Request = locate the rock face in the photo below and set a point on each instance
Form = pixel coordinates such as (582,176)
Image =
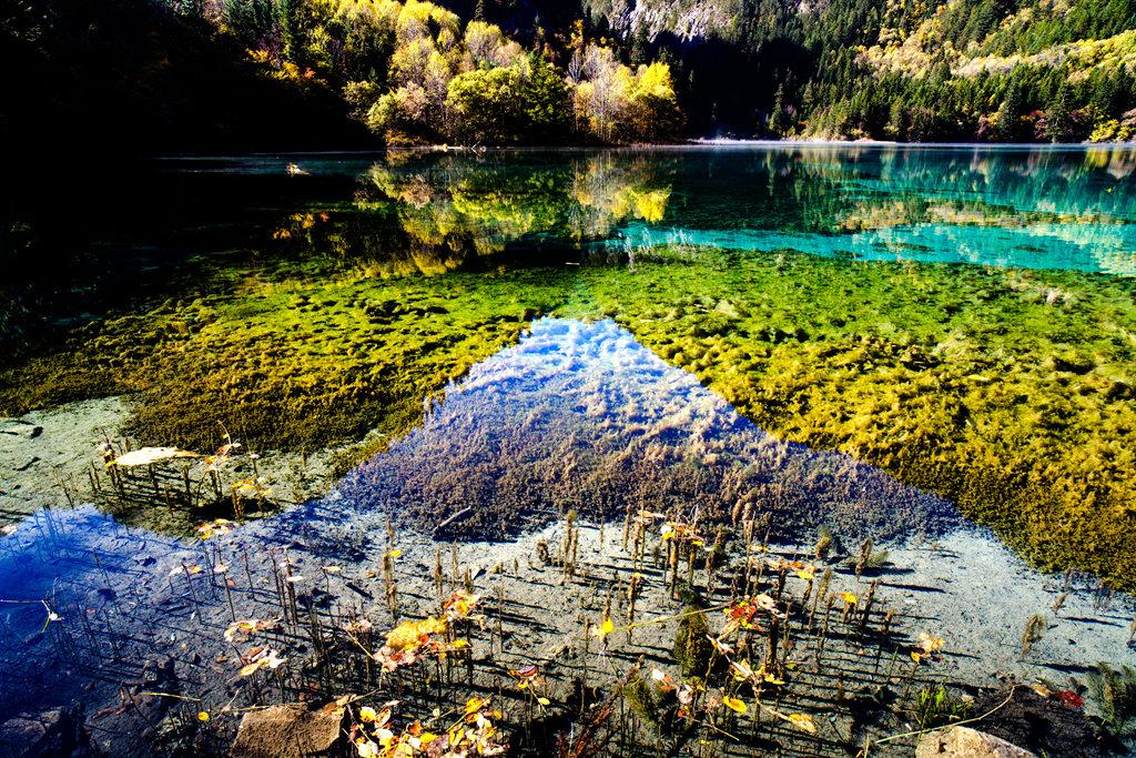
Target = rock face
(961,742)
(54,732)
(287,731)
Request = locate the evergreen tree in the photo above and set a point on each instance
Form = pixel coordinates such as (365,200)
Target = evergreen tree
(779,118)
(1058,117)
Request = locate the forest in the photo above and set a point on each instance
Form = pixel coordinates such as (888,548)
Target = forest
(185,74)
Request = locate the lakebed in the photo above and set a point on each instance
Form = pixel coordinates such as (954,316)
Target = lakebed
(482,343)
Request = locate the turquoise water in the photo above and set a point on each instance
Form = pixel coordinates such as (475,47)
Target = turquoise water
(1035,207)
(1109,248)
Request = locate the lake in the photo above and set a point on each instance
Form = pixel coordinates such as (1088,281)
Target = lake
(899,347)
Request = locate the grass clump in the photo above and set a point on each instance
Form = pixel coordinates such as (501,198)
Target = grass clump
(644,701)
(1113,691)
(936,706)
(692,648)
(1033,632)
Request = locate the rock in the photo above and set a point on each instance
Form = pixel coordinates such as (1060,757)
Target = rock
(1073,364)
(287,731)
(20,428)
(962,742)
(54,732)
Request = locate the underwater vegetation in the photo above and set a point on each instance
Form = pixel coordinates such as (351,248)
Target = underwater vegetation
(288,364)
(1008,391)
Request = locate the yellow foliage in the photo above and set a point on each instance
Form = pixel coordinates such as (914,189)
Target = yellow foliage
(654,80)
(408,633)
(734,704)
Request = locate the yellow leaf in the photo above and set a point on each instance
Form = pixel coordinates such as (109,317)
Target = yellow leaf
(474,704)
(930,643)
(408,633)
(806,574)
(250,669)
(773,680)
(803,721)
(367,714)
(366,748)
(605,628)
(202,716)
(741,670)
(848,597)
(394,553)
(543,700)
(734,704)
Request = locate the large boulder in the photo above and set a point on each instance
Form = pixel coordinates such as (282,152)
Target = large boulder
(57,732)
(288,731)
(962,742)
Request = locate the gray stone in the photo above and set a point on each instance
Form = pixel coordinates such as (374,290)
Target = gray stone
(53,732)
(962,742)
(288,731)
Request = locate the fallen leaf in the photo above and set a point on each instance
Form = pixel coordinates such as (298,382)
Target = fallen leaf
(146,456)
(734,704)
(803,721)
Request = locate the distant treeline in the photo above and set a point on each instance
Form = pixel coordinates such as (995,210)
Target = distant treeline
(915,70)
(188,74)
(419,72)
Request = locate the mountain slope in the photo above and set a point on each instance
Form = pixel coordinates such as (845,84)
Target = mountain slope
(998,70)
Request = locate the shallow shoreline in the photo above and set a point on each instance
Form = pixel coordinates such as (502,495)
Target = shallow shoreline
(120,589)
(963,587)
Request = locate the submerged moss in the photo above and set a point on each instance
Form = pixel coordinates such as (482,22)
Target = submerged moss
(1009,392)
(288,365)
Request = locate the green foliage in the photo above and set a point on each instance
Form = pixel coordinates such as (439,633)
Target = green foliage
(523,102)
(416,72)
(251,21)
(692,648)
(1113,692)
(938,706)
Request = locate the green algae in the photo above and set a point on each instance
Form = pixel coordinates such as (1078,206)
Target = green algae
(289,364)
(1009,392)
